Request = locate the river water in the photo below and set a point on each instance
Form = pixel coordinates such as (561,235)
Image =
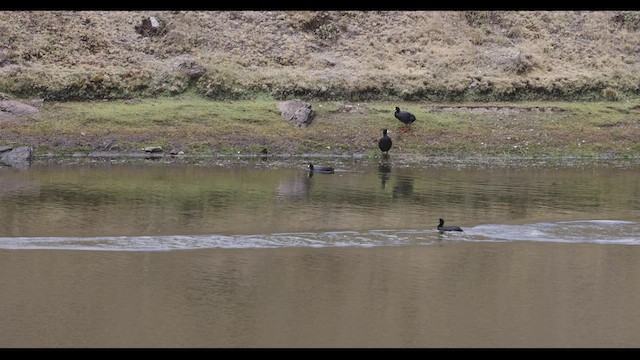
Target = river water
(181,255)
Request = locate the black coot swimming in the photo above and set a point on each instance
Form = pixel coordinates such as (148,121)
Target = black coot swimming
(320,169)
(443,228)
(385,142)
(406,117)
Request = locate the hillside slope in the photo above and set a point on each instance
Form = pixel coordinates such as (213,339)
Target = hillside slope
(407,55)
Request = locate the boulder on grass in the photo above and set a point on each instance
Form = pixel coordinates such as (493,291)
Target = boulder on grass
(297,112)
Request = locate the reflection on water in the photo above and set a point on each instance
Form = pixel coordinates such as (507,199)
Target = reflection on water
(384,169)
(270,257)
(403,187)
(295,187)
(517,294)
(124,200)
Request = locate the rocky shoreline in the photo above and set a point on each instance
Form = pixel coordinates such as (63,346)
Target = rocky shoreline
(344,161)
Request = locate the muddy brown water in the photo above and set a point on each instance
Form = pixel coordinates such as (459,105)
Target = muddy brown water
(218,256)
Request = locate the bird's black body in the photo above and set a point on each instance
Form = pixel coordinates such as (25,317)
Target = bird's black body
(443,228)
(404,116)
(320,169)
(385,142)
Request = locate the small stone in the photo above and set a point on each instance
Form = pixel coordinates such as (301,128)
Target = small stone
(37,102)
(153,149)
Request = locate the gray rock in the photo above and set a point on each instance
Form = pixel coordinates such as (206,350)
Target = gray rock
(154,22)
(19,157)
(345,108)
(297,112)
(17,108)
(37,103)
(150,26)
(192,69)
(153,149)
(5,149)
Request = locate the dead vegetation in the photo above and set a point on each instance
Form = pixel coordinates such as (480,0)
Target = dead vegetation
(351,55)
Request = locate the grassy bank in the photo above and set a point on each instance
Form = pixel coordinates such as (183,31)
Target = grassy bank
(195,125)
(206,82)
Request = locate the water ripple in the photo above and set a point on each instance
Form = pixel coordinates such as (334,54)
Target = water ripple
(589,231)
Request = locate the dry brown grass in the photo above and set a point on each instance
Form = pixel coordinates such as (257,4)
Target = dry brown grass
(409,55)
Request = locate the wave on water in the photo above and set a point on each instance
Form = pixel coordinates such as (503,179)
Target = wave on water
(584,231)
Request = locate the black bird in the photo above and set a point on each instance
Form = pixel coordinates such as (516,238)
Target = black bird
(385,142)
(320,169)
(264,153)
(406,117)
(443,228)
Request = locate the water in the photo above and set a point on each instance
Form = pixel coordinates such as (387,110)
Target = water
(588,231)
(265,256)
(199,205)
